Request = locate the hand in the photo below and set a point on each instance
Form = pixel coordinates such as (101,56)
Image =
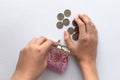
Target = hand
(85,49)
(86,46)
(33,59)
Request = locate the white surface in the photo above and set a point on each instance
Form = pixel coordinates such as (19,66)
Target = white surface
(21,20)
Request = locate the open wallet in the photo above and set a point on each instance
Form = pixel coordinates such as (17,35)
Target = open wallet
(58,58)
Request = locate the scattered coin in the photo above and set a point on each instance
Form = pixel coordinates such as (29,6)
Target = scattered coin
(70,30)
(59,25)
(76,30)
(67,13)
(75,36)
(74,23)
(60,16)
(66,22)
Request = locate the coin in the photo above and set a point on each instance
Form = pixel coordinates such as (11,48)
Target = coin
(59,25)
(60,16)
(75,36)
(67,13)
(74,23)
(76,30)
(66,22)
(70,30)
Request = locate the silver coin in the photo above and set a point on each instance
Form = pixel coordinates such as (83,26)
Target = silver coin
(75,36)
(74,23)
(70,30)
(60,16)
(66,22)
(76,30)
(67,13)
(59,25)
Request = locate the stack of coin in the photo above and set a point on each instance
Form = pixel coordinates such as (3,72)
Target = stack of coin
(74,23)
(75,35)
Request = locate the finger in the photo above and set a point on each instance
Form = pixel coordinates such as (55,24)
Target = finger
(81,26)
(41,40)
(92,24)
(68,40)
(89,24)
(32,41)
(86,16)
(48,44)
(45,59)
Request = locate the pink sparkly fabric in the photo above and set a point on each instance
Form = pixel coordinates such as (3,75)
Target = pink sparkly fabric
(57,60)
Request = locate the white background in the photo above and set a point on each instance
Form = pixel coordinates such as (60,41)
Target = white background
(21,20)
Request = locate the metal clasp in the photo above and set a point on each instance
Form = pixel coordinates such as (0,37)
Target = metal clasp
(62,47)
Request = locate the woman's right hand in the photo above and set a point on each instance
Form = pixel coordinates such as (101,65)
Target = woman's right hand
(85,49)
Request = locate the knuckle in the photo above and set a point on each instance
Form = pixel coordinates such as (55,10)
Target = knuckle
(39,49)
(81,24)
(88,22)
(85,41)
(30,47)
(34,48)
(50,41)
(85,37)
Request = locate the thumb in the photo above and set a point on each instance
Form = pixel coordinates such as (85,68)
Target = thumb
(68,40)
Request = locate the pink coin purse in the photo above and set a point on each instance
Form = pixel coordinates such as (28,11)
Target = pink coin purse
(58,58)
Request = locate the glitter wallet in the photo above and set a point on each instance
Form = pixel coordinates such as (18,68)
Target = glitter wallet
(58,58)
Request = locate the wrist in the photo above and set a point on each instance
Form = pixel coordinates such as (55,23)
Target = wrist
(89,70)
(22,76)
(87,64)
